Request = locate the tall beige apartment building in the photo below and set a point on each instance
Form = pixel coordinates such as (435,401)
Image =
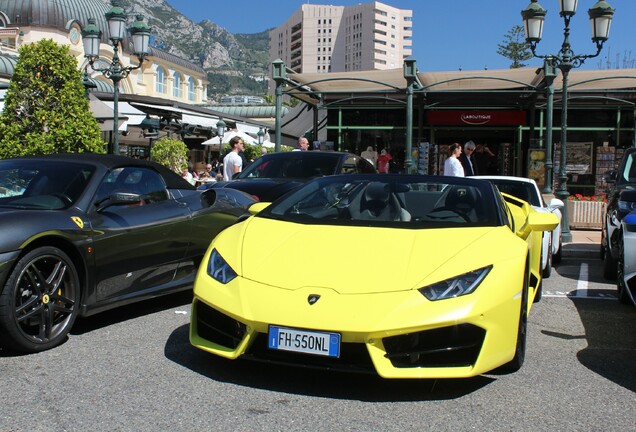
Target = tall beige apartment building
(323,38)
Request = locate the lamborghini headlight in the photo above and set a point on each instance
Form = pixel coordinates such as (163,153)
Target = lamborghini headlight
(219,269)
(455,286)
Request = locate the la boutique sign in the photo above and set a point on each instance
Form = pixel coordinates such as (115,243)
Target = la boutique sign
(477,118)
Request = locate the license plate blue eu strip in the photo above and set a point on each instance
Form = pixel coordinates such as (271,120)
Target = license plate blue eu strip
(304,341)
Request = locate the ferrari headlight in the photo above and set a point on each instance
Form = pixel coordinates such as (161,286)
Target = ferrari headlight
(219,269)
(626,206)
(455,286)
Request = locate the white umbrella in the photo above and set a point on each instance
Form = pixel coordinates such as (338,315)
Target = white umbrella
(228,136)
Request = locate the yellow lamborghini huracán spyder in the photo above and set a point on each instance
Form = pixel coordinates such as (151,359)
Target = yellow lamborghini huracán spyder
(409,276)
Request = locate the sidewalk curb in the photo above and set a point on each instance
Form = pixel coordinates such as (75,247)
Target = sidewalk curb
(581,250)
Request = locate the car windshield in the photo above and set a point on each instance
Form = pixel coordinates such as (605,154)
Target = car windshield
(39,184)
(629,173)
(403,201)
(519,189)
(297,165)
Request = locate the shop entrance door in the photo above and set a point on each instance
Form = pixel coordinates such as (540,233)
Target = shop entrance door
(496,150)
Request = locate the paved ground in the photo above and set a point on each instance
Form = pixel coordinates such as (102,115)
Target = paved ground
(585,237)
(584,243)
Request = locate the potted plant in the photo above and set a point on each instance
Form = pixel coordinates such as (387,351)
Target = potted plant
(586,211)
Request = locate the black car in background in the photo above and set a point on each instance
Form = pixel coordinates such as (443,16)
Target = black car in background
(82,233)
(273,175)
(621,201)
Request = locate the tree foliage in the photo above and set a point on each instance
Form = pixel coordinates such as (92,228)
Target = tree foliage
(45,109)
(171,153)
(515,47)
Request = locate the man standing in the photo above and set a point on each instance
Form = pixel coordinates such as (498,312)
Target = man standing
(467,159)
(303,144)
(232,162)
(370,155)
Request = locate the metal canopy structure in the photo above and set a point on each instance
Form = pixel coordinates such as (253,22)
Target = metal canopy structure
(524,89)
(178,117)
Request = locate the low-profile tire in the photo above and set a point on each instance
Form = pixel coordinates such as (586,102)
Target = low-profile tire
(539,294)
(610,266)
(547,271)
(39,301)
(522,331)
(556,258)
(623,296)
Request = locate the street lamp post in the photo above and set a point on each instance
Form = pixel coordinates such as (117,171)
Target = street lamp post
(115,71)
(410,74)
(220,132)
(260,134)
(220,129)
(565,60)
(279,74)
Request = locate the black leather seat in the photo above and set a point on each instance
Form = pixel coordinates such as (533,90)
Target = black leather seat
(377,202)
(463,200)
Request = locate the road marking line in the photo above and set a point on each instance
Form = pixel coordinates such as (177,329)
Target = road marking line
(574,296)
(581,286)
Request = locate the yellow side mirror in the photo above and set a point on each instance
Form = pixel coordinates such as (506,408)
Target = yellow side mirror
(258,207)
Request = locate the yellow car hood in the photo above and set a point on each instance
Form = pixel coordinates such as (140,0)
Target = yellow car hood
(356,260)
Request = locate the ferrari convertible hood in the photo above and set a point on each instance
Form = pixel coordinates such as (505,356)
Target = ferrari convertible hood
(366,260)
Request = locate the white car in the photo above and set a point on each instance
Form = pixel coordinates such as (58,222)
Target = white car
(527,190)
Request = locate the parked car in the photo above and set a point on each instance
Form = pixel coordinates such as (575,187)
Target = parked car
(82,233)
(621,199)
(273,175)
(526,189)
(408,276)
(626,265)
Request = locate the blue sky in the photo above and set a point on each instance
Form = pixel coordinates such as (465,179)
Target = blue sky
(450,34)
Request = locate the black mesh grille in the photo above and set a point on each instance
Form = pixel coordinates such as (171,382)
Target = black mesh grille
(445,347)
(354,357)
(216,327)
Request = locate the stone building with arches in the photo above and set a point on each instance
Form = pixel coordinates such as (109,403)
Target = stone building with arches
(165,96)
(162,74)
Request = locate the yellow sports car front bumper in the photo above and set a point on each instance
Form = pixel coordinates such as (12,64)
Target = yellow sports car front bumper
(402,334)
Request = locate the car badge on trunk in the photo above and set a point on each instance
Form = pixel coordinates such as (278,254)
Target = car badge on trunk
(313,298)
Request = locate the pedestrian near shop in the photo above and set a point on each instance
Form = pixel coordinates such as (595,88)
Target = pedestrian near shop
(467,159)
(452,165)
(303,144)
(232,162)
(383,161)
(370,155)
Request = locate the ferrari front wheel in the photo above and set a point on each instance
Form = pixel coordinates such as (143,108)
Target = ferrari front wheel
(40,301)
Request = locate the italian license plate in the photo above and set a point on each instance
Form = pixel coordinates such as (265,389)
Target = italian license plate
(304,341)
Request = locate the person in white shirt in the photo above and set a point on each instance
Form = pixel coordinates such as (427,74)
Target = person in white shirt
(232,162)
(452,165)
(187,175)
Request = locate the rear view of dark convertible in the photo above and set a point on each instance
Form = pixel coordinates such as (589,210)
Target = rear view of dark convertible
(83,233)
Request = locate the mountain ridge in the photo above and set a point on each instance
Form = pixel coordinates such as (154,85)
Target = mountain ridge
(234,63)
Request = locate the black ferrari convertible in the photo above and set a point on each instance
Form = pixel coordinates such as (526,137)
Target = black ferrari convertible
(82,233)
